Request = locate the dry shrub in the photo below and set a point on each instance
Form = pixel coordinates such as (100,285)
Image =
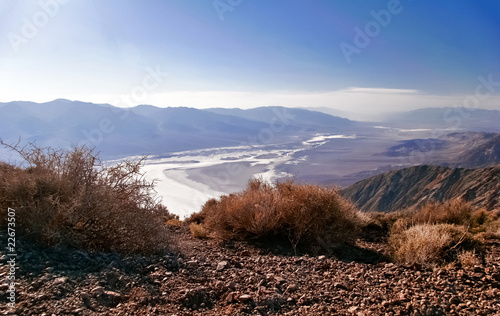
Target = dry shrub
(456,211)
(174,222)
(378,224)
(306,214)
(468,259)
(491,230)
(69,197)
(429,244)
(198,230)
(439,233)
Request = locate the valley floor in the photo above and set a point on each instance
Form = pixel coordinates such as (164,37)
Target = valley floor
(209,278)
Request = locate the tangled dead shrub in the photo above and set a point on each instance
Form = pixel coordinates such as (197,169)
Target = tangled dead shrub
(430,244)
(69,197)
(439,233)
(468,258)
(309,215)
(457,211)
(198,231)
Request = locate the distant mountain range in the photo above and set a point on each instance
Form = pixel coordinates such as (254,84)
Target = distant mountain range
(465,150)
(399,189)
(146,129)
(290,119)
(149,130)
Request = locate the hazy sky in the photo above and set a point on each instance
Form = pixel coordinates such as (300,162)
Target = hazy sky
(360,56)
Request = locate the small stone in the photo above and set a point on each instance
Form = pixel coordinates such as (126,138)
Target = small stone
(298,260)
(292,288)
(352,309)
(231,297)
(455,300)
(222,265)
(86,299)
(245,298)
(402,297)
(279,279)
(42,297)
(496,276)
(339,286)
(98,291)
(461,306)
(113,295)
(60,280)
(109,298)
(478,269)
(322,257)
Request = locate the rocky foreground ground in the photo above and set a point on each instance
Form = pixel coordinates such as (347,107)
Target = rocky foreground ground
(210,278)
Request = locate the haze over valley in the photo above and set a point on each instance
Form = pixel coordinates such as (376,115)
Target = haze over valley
(200,154)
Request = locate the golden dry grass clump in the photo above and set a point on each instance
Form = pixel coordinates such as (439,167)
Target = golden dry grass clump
(431,244)
(304,214)
(456,212)
(439,233)
(69,197)
(174,222)
(198,230)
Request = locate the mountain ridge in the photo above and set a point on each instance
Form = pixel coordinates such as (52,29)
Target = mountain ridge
(414,186)
(148,130)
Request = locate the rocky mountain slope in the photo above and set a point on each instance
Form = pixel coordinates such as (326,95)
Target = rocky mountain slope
(398,189)
(486,152)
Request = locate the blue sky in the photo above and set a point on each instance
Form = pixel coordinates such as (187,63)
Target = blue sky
(248,53)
